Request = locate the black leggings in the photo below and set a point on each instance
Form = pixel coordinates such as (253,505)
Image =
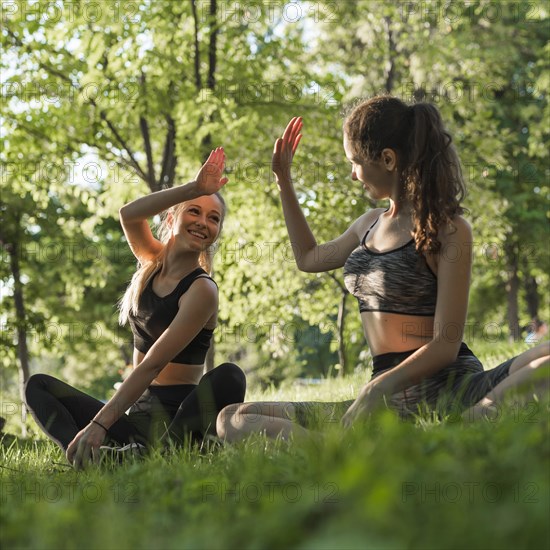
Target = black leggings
(166,412)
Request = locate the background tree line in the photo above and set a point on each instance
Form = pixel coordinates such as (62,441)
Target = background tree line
(104,101)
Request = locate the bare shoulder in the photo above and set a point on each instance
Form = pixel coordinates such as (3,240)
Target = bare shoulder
(204,286)
(363,222)
(458,231)
(203,292)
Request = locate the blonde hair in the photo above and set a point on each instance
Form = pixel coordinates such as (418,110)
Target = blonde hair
(129,302)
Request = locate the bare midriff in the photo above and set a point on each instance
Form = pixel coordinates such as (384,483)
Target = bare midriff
(173,373)
(395,332)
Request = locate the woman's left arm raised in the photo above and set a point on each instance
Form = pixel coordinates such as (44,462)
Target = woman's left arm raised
(453,285)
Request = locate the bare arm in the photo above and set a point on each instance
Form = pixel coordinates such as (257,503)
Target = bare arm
(453,285)
(197,306)
(134,215)
(309,256)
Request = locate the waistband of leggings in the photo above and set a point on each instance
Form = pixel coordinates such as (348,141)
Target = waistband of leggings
(389,360)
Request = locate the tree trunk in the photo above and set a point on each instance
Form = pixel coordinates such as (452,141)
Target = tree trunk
(341,324)
(392,52)
(21,321)
(532,296)
(512,292)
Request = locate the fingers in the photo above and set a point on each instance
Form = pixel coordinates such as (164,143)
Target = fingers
(292,129)
(70,453)
(292,136)
(288,129)
(296,143)
(217,157)
(95,455)
(297,127)
(80,454)
(210,157)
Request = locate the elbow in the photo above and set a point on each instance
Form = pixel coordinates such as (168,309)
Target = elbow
(123,212)
(126,215)
(305,262)
(303,266)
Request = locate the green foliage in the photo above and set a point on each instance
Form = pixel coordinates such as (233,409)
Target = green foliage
(95,100)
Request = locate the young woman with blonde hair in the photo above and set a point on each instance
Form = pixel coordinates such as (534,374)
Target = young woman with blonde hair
(171,305)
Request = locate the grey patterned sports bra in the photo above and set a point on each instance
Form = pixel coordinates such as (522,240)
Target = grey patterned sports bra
(396,281)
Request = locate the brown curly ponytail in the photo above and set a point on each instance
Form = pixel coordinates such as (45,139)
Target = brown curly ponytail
(427,160)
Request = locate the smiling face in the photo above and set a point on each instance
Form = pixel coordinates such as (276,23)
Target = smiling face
(198,222)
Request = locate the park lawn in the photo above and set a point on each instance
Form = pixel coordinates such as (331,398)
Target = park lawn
(389,484)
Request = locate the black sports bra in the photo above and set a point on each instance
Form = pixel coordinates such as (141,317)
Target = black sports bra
(396,281)
(155,314)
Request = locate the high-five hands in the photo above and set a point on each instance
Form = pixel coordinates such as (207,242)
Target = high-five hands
(209,177)
(284,150)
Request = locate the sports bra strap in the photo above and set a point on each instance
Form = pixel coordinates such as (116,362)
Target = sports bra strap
(368,230)
(205,276)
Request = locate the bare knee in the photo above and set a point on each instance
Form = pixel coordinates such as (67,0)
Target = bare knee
(539,362)
(234,421)
(225,416)
(539,351)
(533,358)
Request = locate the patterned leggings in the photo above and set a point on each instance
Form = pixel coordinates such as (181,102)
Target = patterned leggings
(453,389)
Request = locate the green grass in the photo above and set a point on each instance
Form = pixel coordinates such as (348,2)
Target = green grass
(386,485)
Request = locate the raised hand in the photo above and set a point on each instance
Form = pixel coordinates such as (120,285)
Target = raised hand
(209,177)
(284,150)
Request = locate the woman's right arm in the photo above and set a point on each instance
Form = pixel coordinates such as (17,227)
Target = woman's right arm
(134,215)
(310,256)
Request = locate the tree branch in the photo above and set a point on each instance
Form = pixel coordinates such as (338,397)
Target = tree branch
(91,101)
(198,80)
(147,138)
(125,146)
(341,285)
(390,75)
(169,159)
(148,151)
(212,60)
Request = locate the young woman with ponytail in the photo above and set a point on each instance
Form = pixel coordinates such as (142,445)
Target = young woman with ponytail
(409,267)
(171,305)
